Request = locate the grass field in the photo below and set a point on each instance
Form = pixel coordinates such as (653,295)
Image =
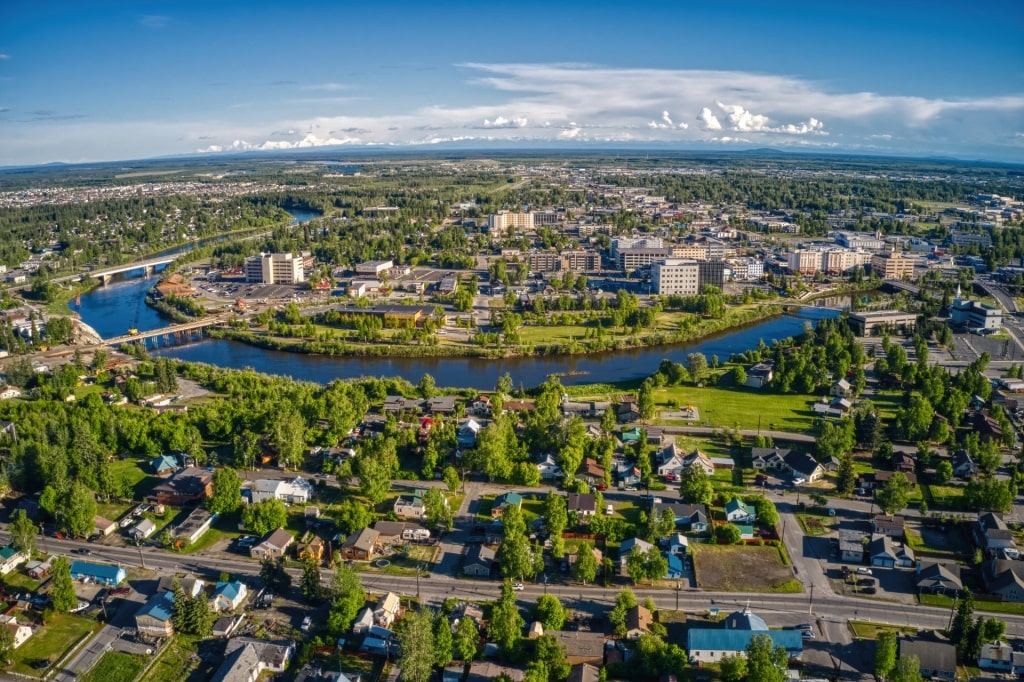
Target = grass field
(116,666)
(179,663)
(979,605)
(51,641)
(747,408)
(741,568)
(814,525)
(868,630)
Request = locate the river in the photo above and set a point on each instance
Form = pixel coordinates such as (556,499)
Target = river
(111,310)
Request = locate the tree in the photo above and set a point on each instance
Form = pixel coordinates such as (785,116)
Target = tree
(451,478)
(263,517)
(551,655)
(274,574)
(416,642)
(728,534)
(585,569)
(347,597)
(664,524)
(444,641)
(506,622)
(963,623)
(439,512)
(766,662)
(516,556)
(6,645)
(895,494)
(353,516)
(227,491)
(908,669)
(645,400)
(624,601)
(636,566)
(989,494)
(78,510)
(739,378)
(62,590)
(23,532)
(885,653)
(733,668)
(766,512)
(374,477)
(427,388)
(697,364)
(992,630)
(288,436)
(311,585)
(550,612)
(695,486)
(466,638)
(944,471)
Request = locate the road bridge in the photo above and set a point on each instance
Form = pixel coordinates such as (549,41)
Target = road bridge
(182,328)
(148,266)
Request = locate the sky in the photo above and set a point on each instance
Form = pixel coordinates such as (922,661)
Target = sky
(92,80)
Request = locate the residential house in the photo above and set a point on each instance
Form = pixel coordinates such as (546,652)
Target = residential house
(904,462)
(194,526)
(296,491)
(224,626)
(142,530)
(769,458)
(465,609)
(638,622)
(678,544)
(361,545)
(480,406)
(273,546)
(710,645)
(580,647)
(692,516)
(628,410)
(590,471)
(700,459)
(37,570)
(760,375)
(103,526)
(964,466)
(584,504)
(246,658)
(936,578)
(389,532)
(363,622)
(164,465)
(626,473)
(442,404)
(486,671)
(20,632)
(996,656)
(190,585)
(1004,578)
(393,404)
(185,487)
(517,406)
(154,618)
(883,552)
(387,610)
(676,567)
(884,524)
(852,545)
(228,596)
(841,389)
(10,559)
(874,481)
(987,428)
(549,468)
(991,533)
(501,502)
(671,463)
(479,561)
(468,433)
(104,574)
(737,511)
(584,672)
(803,465)
(629,546)
(937,659)
(411,506)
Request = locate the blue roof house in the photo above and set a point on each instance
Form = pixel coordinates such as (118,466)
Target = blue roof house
(97,573)
(675,565)
(710,645)
(155,618)
(228,596)
(164,465)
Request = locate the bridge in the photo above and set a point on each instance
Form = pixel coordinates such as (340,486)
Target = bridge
(105,274)
(182,328)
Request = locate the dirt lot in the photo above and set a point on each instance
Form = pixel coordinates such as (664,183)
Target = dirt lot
(733,568)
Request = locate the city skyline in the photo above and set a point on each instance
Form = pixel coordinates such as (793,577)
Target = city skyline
(102,81)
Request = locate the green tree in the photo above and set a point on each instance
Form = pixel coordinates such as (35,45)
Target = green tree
(352,516)
(624,601)
(415,634)
(908,669)
(439,512)
(989,494)
(263,517)
(374,477)
(943,472)
(427,388)
(288,435)
(963,624)
(895,494)
(347,597)
(885,653)
(733,668)
(846,477)
(23,532)
(697,364)
(506,622)
(62,590)
(6,645)
(695,486)
(227,491)
(551,655)
(585,569)
(992,630)
(766,662)
(728,533)
(645,400)
(444,641)
(466,639)
(765,510)
(78,511)
(739,378)
(550,612)
(451,478)
(311,585)
(516,557)
(274,574)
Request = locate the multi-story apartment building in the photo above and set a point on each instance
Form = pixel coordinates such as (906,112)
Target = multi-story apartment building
(580,260)
(691,251)
(804,261)
(499,224)
(274,268)
(838,261)
(542,261)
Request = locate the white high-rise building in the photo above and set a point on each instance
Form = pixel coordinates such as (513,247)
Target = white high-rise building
(676,277)
(274,268)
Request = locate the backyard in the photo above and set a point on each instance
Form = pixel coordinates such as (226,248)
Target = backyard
(116,666)
(50,642)
(742,568)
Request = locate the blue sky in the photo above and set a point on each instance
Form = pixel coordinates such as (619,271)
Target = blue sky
(92,80)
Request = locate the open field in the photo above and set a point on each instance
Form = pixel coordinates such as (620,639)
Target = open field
(51,642)
(116,666)
(741,568)
(179,662)
(979,605)
(867,630)
(747,408)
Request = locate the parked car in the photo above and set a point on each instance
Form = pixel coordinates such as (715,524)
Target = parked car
(518,587)
(864,570)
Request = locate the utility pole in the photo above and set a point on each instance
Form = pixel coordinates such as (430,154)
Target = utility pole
(142,559)
(810,602)
(952,612)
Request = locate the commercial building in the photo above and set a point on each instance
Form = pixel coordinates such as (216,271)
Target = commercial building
(892,265)
(974,315)
(804,262)
(633,258)
(274,268)
(860,240)
(499,224)
(375,267)
(865,324)
(676,277)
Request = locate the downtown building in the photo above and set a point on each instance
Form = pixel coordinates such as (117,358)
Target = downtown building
(892,265)
(685,277)
(501,223)
(274,268)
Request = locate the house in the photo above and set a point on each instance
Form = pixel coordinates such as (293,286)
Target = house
(626,473)
(142,530)
(246,658)
(580,647)
(505,500)
(629,546)
(467,434)
(991,533)
(411,506)
(590,471)
(19,631)
(676,568)
(711,645)
(964,466)
(394,404)
(584,504)
(699,459)
(852,545)
(103,526)
(189,584)
(937,659)
(584,672)
(841,389)
(10,559)
(692,516)
(803,465)
(769,458)
(37,570)
(987,428)
(549,468)
(884,524)
(228,596)
(486,671)
(155,617)
(389,532)
(883,552)
(996,656)
(1004,578)
(479,560)
(442,404)
(638,622)
(736,511)
(465,609)
(480,406)
(387,610)
(760,374)
(194,526)
(363,622)
(185,487)
(361,545)
(678,544)
(105,574)
(935,578)
(164,465)
(516,406)
(296,491)
(273,545)
(224,626)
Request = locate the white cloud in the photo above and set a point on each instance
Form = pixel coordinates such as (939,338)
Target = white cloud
(709,120)
(308,141)
(812,125)
(667,119)
(742,120)
(502,122)
(570,133)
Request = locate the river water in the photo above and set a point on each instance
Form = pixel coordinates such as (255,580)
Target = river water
(111,310)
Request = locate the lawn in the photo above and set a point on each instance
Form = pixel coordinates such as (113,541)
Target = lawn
(747,408)
(942,496)
(179,662)
(136,470)
(51,641)
(814,525)
(20,581)
(979,604)
(867,630)
(742,568)
(116,666)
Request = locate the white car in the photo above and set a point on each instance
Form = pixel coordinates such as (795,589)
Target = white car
(518,587)
(82,606)
(864,570)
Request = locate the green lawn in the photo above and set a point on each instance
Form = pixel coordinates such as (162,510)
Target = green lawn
(743,407)
(137,471)
(815,524)
(116,666)
(942,496)
(177,662)
(867,630)
(20,581)
(51,641)
(979,605)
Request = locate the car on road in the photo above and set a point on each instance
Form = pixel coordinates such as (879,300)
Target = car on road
(81,550)
(807,634)
(518,587)
(864,570)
